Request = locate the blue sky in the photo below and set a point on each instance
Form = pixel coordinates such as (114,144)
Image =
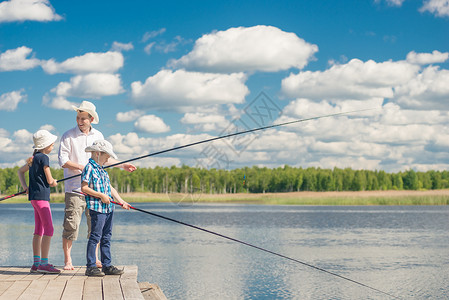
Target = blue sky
(164,74)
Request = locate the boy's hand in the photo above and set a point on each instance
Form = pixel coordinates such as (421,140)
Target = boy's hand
(54,183)
(105,198)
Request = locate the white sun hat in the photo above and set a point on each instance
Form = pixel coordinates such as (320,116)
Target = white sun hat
(101,146)
(42,139)
(89,108)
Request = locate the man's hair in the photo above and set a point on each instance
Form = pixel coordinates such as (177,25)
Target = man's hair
(90,116)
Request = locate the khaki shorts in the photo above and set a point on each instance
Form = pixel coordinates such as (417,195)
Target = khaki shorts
(73,213)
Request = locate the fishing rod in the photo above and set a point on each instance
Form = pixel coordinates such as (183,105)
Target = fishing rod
(211,140)
(253,246)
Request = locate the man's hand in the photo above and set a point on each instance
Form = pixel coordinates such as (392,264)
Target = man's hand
(129,167)
(126,205)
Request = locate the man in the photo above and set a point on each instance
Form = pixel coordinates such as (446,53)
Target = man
(73,158)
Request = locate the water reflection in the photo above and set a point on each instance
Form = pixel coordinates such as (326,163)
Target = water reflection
(399,250)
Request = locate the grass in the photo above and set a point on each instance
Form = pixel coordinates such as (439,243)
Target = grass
(434,197)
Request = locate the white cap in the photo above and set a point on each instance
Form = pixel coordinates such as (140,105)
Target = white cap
(101,146)
(89,108)
(42,139)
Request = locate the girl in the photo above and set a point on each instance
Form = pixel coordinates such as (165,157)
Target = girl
(39,195)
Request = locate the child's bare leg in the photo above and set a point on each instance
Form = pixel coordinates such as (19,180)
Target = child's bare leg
(37,241)
(45,246)
(98,262)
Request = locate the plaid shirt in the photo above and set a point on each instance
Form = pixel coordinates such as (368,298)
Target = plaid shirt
(98,180)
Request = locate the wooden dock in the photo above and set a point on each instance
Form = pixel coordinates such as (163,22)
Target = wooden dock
(19,283)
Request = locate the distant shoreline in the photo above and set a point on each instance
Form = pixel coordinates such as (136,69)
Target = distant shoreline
(406,197)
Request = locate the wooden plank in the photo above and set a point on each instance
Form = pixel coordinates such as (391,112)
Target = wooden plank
(151,291)
(73,290)
(15,290)
(67,274)
(54,290)
(130,272)
(4,285)
(93,288)
(80,274)
(131,290)
(112,288)
(34,290)
(14,273)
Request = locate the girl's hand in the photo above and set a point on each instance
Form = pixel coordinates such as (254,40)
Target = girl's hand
(105,198)
(54,183)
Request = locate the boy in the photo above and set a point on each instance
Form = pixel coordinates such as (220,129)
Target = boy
(96,185)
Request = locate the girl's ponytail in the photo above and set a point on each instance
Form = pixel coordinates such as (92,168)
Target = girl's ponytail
(30,159)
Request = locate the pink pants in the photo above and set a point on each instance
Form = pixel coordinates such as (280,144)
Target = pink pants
(43,223)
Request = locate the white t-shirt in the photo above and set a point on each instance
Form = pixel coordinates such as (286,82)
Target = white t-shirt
(72,147)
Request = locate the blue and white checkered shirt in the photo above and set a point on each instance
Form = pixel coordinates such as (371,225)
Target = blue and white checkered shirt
(97,179)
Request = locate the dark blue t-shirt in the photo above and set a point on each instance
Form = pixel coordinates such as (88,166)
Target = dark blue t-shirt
(39,188)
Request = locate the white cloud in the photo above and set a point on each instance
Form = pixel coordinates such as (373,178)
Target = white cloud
(108,62)
(354,80)
(427,58)
(16,59)
(27,10)
(241,49)
(58,102)
(438,7)
(392,2)
(129,115)
(9,101)
(119,47)
(151,124)
(180,89)
(204,121)
(92,85)
(427,91)
(152,34)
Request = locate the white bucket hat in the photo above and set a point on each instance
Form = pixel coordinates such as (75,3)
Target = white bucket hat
(42,139)
(101,146)
(89,108)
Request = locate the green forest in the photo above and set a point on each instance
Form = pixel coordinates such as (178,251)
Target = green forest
(187,179)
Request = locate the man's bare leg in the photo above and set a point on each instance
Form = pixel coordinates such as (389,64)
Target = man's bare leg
(67,248)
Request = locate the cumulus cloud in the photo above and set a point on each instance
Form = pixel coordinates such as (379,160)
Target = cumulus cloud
(151,124)
(92,85)
(204,121)
(16,59)
(119,47)
(129,115)
(428,90)
(354,80)
(427,58)
(438,7)
(27,10)
(9,101)
(108,62)
(242,49)
(58,102)
(180,89)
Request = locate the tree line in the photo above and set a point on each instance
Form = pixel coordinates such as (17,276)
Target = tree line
(254,179)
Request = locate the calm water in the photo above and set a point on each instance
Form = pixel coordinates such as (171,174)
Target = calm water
(400,250)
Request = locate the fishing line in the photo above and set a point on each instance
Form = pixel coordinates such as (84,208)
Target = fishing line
(210,140)
(253,246)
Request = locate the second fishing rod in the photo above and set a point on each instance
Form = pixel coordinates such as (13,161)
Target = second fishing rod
(210,140)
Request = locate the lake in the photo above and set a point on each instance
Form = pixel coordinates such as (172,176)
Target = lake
(400,250)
